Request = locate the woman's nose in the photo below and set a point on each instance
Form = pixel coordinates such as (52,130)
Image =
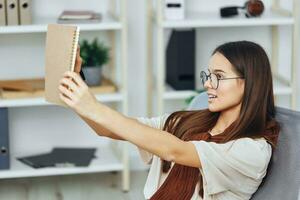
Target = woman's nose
(207,84)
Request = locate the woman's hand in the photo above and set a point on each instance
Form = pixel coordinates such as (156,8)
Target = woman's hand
(75,93)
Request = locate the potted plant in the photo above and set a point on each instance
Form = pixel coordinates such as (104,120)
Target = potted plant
(94,55)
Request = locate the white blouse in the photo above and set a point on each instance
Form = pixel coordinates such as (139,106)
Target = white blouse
(230,171)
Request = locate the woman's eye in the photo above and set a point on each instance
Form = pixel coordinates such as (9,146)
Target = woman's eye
(219,76)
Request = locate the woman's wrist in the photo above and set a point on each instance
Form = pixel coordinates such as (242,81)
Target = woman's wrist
(109,118)
(100,113)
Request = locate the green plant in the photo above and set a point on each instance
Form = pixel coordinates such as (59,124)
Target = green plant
(93,54)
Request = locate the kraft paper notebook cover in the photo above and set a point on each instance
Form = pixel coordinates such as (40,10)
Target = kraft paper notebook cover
(61,46)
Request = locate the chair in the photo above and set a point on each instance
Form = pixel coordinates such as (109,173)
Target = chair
(283,179)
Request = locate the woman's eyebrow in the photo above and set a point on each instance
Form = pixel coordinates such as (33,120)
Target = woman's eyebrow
(216,70)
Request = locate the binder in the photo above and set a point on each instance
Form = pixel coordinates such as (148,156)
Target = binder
(4,142)
(12,12)
(61,47)
(2,13)
(25,12)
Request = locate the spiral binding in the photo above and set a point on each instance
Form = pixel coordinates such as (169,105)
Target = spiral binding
(74,48)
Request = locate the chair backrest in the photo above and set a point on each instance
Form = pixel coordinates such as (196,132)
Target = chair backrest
(199,102)
(283,177)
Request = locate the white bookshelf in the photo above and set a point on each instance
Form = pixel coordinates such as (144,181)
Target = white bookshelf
(170,93)
(114,25)
(212,19)
(40,101)
(105,161)
(158,26)
(39,25)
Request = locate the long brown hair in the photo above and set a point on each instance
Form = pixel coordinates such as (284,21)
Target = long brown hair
(257,114)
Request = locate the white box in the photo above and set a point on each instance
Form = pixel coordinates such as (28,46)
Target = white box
(174,9)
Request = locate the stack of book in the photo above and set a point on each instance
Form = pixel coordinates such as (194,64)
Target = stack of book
(78,17)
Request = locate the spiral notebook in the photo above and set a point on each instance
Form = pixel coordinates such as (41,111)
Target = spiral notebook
(61,46)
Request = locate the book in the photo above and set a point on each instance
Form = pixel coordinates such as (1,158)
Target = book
(107,86)
(78,16)
(29,85)
(61,47)
(76,156)
(61,157)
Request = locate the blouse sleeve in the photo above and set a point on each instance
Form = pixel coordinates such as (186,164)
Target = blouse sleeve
(238,166)
(154,122)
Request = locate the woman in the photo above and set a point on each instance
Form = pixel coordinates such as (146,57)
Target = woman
(219,153)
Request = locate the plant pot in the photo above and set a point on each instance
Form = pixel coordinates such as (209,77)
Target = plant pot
(92,75)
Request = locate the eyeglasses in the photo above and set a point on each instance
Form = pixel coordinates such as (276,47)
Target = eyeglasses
(214,79)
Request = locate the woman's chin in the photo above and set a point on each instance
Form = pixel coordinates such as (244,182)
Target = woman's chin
(213,108)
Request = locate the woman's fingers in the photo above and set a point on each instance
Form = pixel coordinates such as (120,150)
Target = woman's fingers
(76,78)
(69,84)
(69,94)
(74,92)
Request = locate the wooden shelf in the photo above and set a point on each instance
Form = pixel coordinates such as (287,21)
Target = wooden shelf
(40,26)
(107,92)
(105,161)
(213,19)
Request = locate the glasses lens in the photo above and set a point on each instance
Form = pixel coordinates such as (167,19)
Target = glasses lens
(203,77)
(214,81)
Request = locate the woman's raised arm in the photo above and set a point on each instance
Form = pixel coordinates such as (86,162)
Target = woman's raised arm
(75,93)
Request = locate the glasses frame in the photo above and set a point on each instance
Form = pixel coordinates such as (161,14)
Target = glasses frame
(203,74)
